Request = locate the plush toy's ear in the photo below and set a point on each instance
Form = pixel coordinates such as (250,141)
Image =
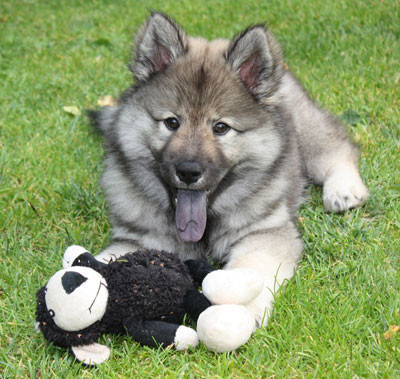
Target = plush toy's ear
(71,254)
(78,256)
(93,354)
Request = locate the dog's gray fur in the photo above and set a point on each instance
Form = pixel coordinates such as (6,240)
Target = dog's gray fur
(254,175)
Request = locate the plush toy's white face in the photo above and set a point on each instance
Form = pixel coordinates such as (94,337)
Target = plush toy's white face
(77,297)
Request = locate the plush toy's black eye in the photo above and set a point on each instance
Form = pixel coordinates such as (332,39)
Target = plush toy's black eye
(71,280)
(220,128)
(51,313)
(172,123)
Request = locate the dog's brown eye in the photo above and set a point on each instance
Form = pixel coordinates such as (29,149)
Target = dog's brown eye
(171,123)
(221,128)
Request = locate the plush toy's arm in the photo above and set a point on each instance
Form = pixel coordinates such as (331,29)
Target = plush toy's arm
(199,269)
(153,333)
(195,303)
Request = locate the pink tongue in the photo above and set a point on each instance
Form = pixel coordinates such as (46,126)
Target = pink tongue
(191,214)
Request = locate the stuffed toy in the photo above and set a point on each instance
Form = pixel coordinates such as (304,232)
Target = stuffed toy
(145,294)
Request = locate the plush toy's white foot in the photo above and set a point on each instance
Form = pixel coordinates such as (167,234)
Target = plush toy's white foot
(71,254)
(185,337)
(233,286)
(344,189)
(226,327)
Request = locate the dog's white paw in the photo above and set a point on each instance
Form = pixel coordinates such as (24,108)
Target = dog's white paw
(343,190)
(225,327)
(261,307)
(232,286)
(185,337)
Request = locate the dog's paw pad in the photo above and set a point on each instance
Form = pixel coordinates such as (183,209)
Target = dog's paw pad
(232,286)
(343,190)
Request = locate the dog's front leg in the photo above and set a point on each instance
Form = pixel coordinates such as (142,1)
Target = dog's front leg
(274,253)
(117,249)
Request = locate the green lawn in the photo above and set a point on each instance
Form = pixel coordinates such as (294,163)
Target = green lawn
(331,318)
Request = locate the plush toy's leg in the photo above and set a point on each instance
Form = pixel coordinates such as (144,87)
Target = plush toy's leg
(199,269)
(153,333)
(235,286)
(195,303)
(225,327)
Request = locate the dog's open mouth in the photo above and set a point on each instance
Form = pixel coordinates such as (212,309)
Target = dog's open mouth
(191,214)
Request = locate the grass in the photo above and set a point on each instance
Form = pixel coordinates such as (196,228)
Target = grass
(331,318)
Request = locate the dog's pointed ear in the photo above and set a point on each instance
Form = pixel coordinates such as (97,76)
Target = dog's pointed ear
(159,43)
(256,57)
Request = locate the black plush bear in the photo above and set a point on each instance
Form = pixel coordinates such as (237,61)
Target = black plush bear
(145,294)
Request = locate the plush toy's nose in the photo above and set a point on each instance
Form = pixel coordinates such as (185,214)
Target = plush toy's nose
(71,280)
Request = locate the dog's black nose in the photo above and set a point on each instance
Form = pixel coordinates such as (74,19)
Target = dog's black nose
(189,172)
(71,280)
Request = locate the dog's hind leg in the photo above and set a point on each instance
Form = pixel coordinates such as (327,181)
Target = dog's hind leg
(329,157)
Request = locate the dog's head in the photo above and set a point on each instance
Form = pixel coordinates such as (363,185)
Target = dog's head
(200,121)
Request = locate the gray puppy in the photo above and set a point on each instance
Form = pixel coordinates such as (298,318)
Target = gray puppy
(208,155)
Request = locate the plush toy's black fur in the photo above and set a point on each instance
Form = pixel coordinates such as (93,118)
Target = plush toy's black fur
(145,285)
(59,336)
